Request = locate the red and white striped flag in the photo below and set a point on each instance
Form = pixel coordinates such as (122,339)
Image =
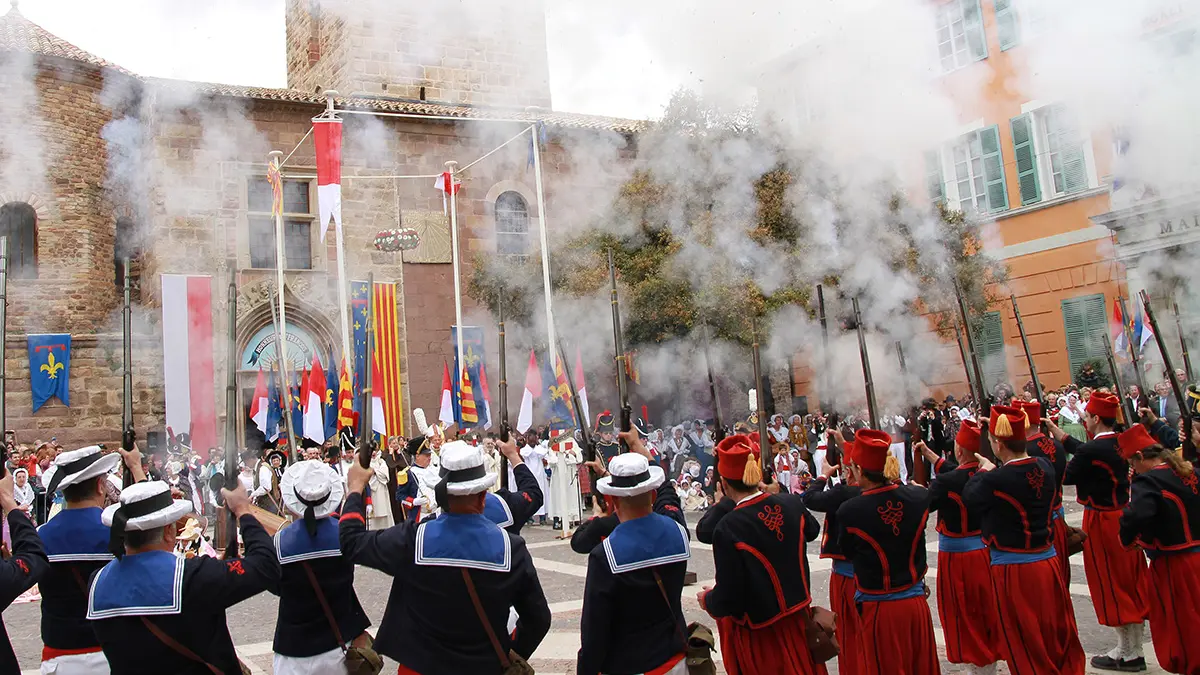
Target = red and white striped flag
(443,184)
(446,414)
(533,389)
(259,404)
(188,357)
(314,403)
(327,136)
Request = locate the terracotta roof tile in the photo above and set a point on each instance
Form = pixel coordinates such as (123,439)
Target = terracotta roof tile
(20,34)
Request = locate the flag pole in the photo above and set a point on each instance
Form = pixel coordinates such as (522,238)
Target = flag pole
(1134,359)
(291,431)
(551,340)
(459,364)
(275,157)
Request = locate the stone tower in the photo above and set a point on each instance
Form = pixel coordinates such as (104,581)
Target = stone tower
(479,52)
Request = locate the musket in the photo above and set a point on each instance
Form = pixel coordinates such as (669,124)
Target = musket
(826,386)
(719,433)
(962,352)
(281,361)
(231,413)
(3,346)
(920,469)
(1133,349)
(127,432)
(504,428)
(983,398)
(619,347)
(1116,376)
(764,438)
(1187,360)
(585,435)
(872,410)
(1185,411)
(1033,374)
(366,432)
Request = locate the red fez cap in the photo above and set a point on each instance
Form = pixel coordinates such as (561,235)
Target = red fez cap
(1135,440)
(733,452)
(871,449)
(1033,412)
(968,435)
(1104,405)
(1007,424)
(848,453)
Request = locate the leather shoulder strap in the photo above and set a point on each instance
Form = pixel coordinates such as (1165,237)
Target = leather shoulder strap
(312,579)
(671,610)
(504,662)
(177,647)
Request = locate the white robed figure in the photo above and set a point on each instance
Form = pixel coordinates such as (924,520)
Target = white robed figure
(534,457)
(380,508)
(564,499)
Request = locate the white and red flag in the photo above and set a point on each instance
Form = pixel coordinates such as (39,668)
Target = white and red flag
(581,387)
(259,404)
(446,414)
(188,357)
(378,422)
(533,389)
(314,403)
(327,136)
(443,183)
(487,398)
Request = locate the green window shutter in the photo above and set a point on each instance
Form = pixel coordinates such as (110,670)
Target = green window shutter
(973,27)
(1007,24)
(935,184)
(1074,167)
(993,170)
(989,346)
(1027,174)
(1085,324)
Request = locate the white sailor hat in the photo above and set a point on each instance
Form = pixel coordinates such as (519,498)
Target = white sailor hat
(311,484)
(145,506)
(76,466)
(630,475)
(462,471)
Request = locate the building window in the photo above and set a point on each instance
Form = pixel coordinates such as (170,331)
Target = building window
(976,173)
(18,222)
(512,224)
(989,345)
(1008,24)
(960,34)
(1085,324)
(1052,154)
(298,218)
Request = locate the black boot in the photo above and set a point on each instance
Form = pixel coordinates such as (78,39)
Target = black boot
(1106,662)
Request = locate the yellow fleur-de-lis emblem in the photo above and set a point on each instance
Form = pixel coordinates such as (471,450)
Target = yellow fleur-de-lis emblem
(52,366)
(560,391)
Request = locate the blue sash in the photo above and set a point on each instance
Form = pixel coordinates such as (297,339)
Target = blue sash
(1154,554)
(1059,514)
(843,568)
(76,535)
(914,591)
(646,542)
(1011,558)
(959,544)
(497,511)
(293,543)
(463,540)
(148,583)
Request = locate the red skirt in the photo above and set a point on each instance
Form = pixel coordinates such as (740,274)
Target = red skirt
(1175,612)
(849,625)
(777,649)
(897,638)
(1038,635)
(967,608)
(1116,575)
(1059,532)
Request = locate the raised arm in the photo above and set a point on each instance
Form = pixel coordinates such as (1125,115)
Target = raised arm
(527,498)
(224,583)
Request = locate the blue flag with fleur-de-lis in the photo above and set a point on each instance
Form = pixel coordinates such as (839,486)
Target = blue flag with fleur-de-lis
(50,367)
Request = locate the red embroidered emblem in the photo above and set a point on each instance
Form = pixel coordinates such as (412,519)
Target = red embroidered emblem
(23,565)
(892,514)
(772,517)
(527,497)
(1047,447)
(235,566)
(1191,481)
(1036,480)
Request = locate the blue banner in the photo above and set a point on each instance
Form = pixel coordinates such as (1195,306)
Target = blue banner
(473,355)
(359,297)
(330,398)
(274,409)
(50,368)
(558,397)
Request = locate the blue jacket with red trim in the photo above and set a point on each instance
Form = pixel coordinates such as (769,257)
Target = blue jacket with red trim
(954,519)
(883,534)
(758,547)
(1163,512)
(1015,502)
(1100,476)
(1041,445)
(828,501)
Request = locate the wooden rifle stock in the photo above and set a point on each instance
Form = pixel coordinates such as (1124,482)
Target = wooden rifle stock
(1183,345)
(1033,374)
(872,409)
(983,398)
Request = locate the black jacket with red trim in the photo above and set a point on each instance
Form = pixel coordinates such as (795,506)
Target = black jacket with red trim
(18,574)
(954,519)
(758,547)
(1014,502)
(525,500)
(1100,476)
(883,534)
(818,498)
(1163,512)
(1041,445)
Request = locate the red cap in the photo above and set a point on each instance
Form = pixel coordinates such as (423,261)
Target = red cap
(1104,405)
(1007,424)
(732,454)
(1033,412)
(871,449)
(968,435)
(1135,440)
(848,453)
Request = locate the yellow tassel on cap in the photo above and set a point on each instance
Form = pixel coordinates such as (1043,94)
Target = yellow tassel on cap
(1028,422)
(752,474)
(1003,427)
(891,468)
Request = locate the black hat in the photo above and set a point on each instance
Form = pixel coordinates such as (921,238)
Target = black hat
(282,454)
(643,428)
(418,445)
(604,423)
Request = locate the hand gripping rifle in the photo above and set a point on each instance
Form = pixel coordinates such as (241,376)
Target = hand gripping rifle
(1185,411)
(983,398)
(366,434)
(128,435)
(505,430)
(585,434)
(619,348)
(1033,374)
(719,433)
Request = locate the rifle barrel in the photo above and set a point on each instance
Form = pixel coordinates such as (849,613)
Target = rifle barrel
(1033,374)
(719,434)
(1176,386)
(984,399)
(1183,345)
(503,394)
(366,432)
(872,409)
(619,347)
(3,347)
(826,384)
(1133,350)
(127,432)
(585,437)
(764,437)
(1116,376)
(231,444)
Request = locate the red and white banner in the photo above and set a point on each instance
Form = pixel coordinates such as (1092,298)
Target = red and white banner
(581,387)
(378,421)
(327,136)
(446,413)
(259,405)
(314,403)
(188,357)
(533,389)
(443,184)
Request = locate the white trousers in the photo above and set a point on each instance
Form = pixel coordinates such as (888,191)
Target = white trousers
(332,662)
(92,663)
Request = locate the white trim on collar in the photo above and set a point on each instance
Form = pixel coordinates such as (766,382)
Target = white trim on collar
(175,607)
(421,559)
(504,505)
(652,562)
(80,557)
(746,499)
(311,555)
(1102,434)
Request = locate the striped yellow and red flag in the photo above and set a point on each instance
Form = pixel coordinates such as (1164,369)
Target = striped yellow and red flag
(276,180)
(387,355)
(470,416)
(345,400)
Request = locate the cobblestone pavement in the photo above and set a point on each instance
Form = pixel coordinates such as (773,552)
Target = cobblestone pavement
(562,573)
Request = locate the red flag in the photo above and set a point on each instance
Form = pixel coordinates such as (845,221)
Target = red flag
(327,136)
(533,389)
(259,404)
(446,413)
(313,397)
(581,386)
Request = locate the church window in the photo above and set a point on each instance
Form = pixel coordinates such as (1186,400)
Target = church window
(298,218)
(18,222)
(512,224)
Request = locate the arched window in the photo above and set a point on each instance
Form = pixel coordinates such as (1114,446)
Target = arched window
(18,222)
(512,224)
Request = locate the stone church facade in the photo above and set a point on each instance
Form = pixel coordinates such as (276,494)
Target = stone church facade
(97,158)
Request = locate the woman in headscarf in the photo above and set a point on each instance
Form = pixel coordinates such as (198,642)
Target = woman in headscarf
(1070,417)
(23,491)
(695,498)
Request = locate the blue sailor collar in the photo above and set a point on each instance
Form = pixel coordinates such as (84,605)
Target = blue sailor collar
(459,540)
(293,543)
(497,511)
(646,542)
(76,535)
(142,584)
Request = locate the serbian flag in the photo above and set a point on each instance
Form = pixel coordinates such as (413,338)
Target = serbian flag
(448,185)
(378,421)
(327,136)
(487,398)
(533,389)
(446,414)
(314,403)
(581,386)
(260,403)
(345,400)
(188,374)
